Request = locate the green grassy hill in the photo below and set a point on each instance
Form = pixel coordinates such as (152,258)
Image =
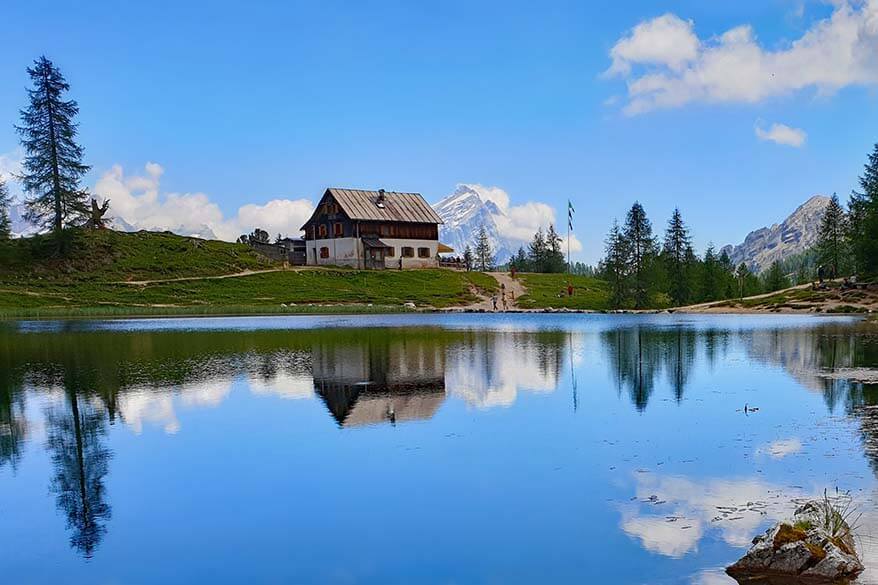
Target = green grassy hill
(92,280)
(110,255)
(545,290)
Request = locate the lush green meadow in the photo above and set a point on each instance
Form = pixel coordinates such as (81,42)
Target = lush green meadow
(549,290)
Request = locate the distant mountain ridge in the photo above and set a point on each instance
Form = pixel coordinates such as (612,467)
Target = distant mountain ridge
(464,212)
(798,232)
(23,228)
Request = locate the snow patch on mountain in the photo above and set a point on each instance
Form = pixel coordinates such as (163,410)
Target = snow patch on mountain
(509,227)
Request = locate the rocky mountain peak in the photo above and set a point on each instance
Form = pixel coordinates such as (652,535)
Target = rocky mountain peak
(795,234)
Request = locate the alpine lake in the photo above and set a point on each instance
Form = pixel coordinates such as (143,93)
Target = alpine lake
(436,448)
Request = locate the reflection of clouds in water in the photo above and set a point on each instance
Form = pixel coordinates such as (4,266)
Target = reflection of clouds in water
(735,508)
(147,406)
(659,535)
(285,385)
(140,406)
(781,448)
(208,393)
(713,577)
(490,369)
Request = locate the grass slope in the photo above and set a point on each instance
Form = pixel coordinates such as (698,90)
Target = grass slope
(90,280)
(113,256)
(544,290)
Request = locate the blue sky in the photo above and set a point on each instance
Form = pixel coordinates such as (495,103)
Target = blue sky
(245,103)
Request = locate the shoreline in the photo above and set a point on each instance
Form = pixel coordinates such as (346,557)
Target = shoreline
(98,312)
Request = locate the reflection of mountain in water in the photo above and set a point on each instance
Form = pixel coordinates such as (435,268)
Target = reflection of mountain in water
(387,380)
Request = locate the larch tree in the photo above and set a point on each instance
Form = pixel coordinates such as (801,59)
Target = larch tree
(676,252)
(52,167)
(831,237)
(484,253)
(642,251)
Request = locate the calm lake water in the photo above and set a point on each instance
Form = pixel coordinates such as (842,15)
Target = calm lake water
(424,449)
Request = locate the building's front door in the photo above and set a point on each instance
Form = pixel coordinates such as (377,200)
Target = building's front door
(375,258)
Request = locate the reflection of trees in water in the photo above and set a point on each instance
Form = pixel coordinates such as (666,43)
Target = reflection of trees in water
(818,357)
(831,359)
(75,435)
(637,356)
(13,424)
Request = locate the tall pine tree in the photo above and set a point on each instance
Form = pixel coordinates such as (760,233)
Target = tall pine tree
(710,275)
(615,266)
(53,164)
(642,252)
(554,260)
(484,254)
(831,237)
(676,251)
(536,252)
(5,202)
(863,219)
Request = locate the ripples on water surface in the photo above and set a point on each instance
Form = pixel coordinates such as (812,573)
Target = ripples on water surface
(424,449)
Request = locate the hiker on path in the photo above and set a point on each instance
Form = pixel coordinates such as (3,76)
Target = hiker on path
(494,301)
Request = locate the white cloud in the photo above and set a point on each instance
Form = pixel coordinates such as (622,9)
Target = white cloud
(667,40)
(10,166)
(139,202)
(519,222)
(665,65)
(781,134)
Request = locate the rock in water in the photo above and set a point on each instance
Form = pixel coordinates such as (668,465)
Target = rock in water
(801,549)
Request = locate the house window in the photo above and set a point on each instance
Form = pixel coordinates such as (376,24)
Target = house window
(390,252)
(408,252)
(324,252)
(322,231)
(423,252)
(337,229)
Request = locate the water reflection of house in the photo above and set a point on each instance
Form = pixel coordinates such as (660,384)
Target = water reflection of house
(372,383)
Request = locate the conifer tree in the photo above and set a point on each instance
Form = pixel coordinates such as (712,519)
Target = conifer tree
(615,266)
(642,251)
(863,219)
(484,254)
(831,237)
(5,202)
(710,274)
(468,257)
(519,261)
(536,253)
(775,279)
(676,250)
(554,256)
(53,163)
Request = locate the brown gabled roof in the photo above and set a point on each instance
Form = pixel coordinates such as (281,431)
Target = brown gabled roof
(404,207)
